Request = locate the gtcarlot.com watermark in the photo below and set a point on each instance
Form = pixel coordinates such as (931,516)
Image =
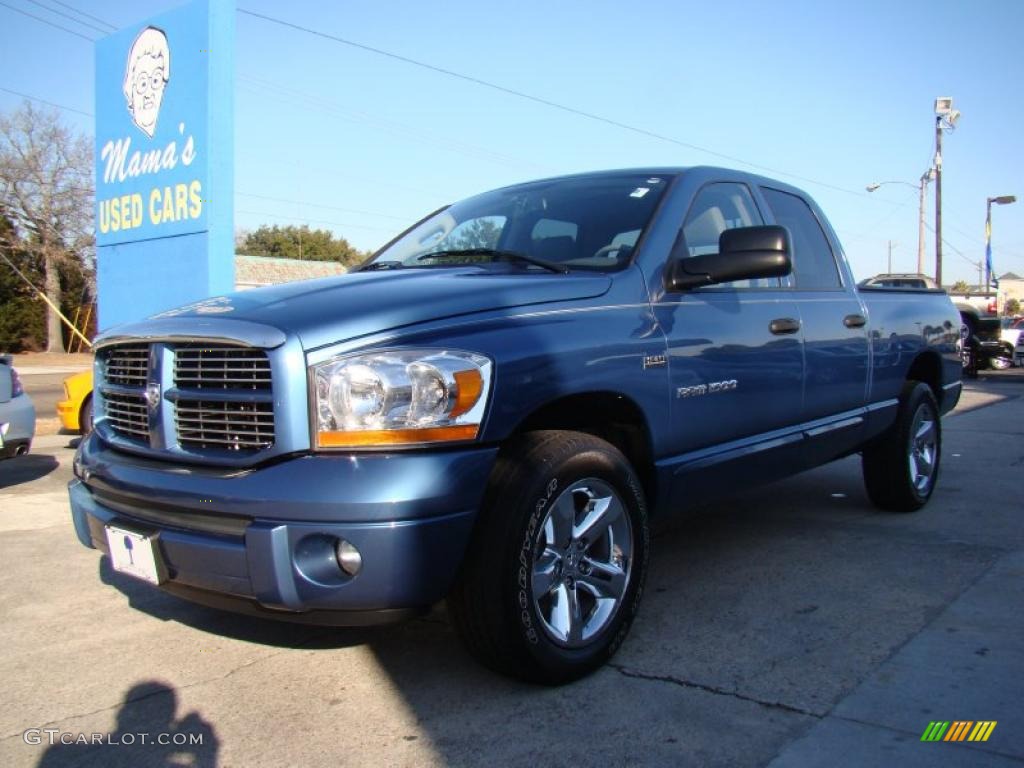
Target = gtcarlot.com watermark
(54,736)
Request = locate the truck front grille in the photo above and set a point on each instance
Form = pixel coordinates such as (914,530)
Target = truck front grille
(221,368)
(128,365)
(127,414)
(232,426)
(220,396)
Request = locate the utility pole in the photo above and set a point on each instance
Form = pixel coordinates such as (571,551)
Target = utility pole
(889,271)
(925,178)
(922,188)
(938,200)
(945,117)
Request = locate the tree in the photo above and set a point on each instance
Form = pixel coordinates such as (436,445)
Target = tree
(960,286)
(471,235)
(23,314)
(1012,307)
(293,242)
(46,194)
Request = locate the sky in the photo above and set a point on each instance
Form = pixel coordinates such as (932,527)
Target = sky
(827,96)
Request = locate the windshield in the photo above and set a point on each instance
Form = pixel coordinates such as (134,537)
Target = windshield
(591,222)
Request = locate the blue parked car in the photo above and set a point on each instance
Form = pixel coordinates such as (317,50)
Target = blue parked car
(17,413)
(492,408)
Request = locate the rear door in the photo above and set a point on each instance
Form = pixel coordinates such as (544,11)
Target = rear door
(835,329)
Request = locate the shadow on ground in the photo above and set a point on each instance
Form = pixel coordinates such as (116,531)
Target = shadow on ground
(25,469)
(149,732)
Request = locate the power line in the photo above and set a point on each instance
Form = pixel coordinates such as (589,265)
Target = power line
(898,207)
(952,247)
(68,16)
(544,102)
(47,103)
(415,133)
(87,15)
(308,220)
(48,22)
(320,205)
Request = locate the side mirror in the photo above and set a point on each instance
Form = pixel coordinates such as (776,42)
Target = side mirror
(746,253)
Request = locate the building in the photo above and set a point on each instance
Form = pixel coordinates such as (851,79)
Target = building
(1011,286)
(256,271)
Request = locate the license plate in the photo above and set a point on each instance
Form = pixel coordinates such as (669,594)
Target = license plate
(133,553)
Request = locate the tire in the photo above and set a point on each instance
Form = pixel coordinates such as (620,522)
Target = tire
(967,353)
(1000,363)
(85,417)
(555,570)
(902,467)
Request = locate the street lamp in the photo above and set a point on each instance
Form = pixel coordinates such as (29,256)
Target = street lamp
(922,187)
(1001,200)
(945,117)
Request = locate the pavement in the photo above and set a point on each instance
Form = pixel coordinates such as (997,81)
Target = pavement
(792,625)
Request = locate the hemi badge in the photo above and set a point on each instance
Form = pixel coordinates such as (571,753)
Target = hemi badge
(655,361)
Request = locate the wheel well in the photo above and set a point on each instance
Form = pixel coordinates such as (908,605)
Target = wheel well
(927,368)
(607,415)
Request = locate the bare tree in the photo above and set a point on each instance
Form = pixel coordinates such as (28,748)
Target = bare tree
(46,192)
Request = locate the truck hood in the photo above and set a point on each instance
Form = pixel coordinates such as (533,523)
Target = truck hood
(330,310)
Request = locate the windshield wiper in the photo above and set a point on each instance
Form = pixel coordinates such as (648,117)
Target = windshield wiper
(374,265)
(498,255)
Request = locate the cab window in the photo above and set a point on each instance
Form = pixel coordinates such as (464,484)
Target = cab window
(814,264)
(718,207)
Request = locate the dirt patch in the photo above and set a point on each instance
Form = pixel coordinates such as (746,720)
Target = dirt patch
(48,426)
(55,359)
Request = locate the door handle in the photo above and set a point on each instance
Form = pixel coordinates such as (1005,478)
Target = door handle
(784,325)
(855,321)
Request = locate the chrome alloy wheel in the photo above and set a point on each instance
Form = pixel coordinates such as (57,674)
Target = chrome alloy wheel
(582,563)
(923,448)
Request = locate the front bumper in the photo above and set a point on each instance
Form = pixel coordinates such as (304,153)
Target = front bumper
(261,540)
(67,411)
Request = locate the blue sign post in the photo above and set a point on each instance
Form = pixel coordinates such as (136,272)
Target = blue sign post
(165,161)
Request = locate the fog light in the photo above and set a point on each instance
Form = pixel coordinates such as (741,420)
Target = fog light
(349,559)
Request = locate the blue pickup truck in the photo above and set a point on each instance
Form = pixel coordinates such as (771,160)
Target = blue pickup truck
(492,407)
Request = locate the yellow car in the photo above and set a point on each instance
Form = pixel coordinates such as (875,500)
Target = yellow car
(75,410)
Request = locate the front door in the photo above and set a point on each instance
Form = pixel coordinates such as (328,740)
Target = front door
(735,358)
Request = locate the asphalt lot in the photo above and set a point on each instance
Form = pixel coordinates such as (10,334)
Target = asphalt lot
(789,626)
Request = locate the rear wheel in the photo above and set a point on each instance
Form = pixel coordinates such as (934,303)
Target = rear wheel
(902,467)
(555,571)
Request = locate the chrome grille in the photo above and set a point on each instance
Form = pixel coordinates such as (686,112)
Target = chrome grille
(127,365)
(231,426)
(218,367)
(127,414)
(220,397)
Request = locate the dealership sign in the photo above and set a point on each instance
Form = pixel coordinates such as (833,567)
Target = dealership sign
(164,161)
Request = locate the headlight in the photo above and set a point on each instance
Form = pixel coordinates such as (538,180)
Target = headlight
(401,397)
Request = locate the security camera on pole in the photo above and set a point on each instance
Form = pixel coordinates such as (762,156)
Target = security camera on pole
(945,117)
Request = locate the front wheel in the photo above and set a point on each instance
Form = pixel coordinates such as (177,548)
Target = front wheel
(555,570)
(902,467)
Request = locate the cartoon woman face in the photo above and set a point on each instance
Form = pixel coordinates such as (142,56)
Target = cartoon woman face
(145,78)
